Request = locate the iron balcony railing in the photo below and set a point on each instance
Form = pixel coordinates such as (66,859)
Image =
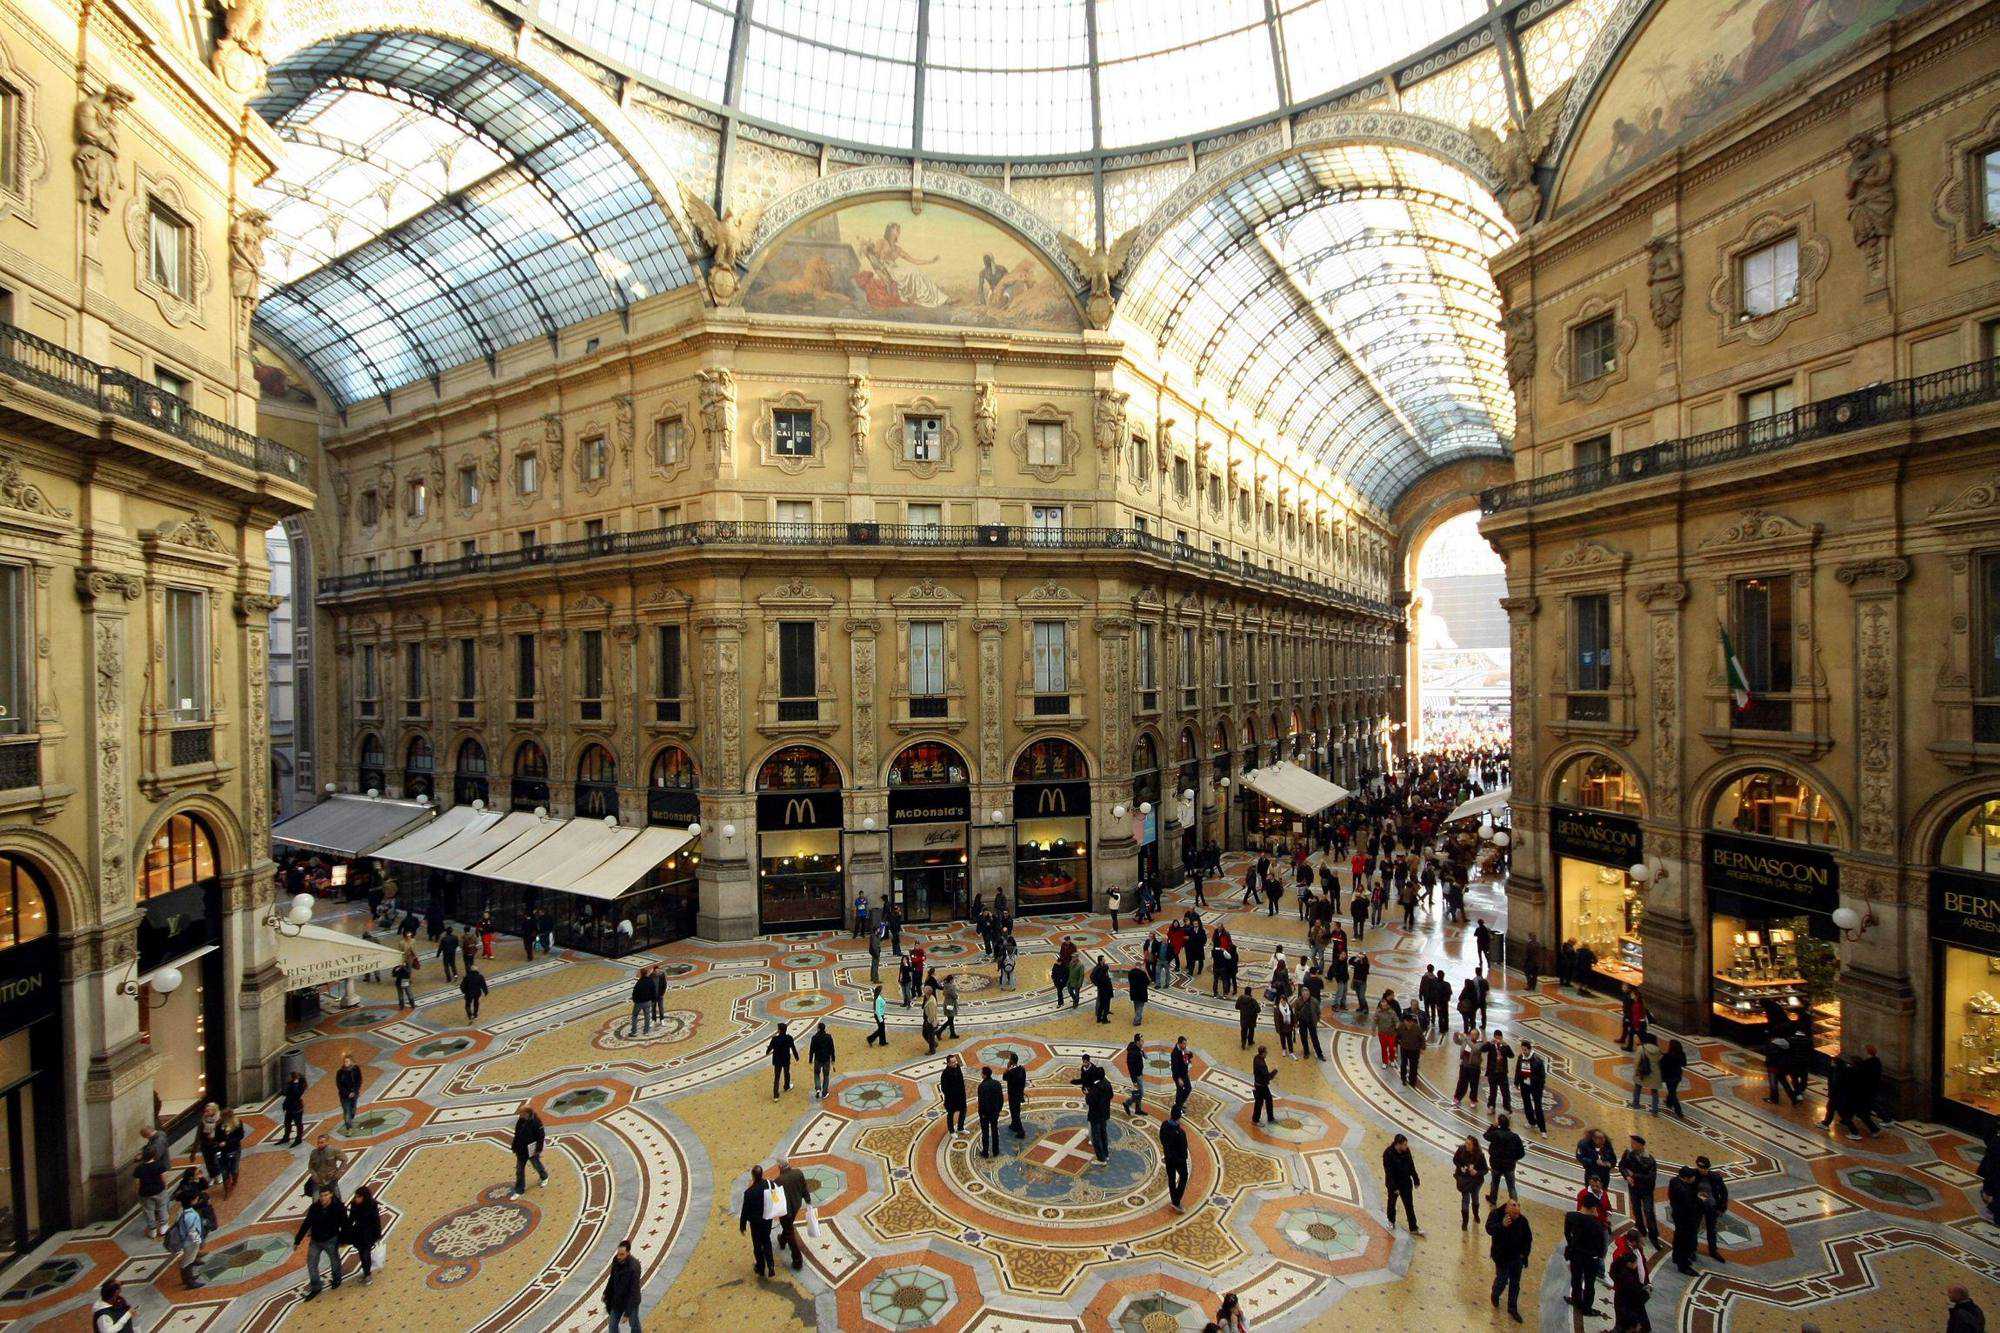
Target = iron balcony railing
(46,365)
(1891,400)
(729,532)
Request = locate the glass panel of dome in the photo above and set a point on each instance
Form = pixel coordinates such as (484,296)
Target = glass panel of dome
(1027,113)
(683,43)
(1157,80)
(1553,49)
(1332,43)
(885,28)
(820,90)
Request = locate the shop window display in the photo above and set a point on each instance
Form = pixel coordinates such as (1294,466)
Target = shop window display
(1965,926)
(1600,911)
(1775,969)
(1595,835)
(1051,827)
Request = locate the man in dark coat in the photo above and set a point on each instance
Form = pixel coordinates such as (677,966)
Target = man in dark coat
(1584,1243)
(1684,1211)
(991,1097)
(1097,1109)
(819,1052)
(1504,1151)
(1174,1152)
(1100,977)
(621,1288)
(473,987)
(951,1085)
(782,1050)
(1138,985)
(1180,1064)
(798,1193)
(1135,1068)
(529,1136)
(1400,1181)
(1531,1076)
(1513,1242)
(751,1218)
(1247,1010)
(1711,1191)
(1262,1103)
(1016,1079)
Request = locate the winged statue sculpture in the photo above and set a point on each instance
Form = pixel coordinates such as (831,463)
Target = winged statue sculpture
(1100,268)
(727,236)
(1515,156)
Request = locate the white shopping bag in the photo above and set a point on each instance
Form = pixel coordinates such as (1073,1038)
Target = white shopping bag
(812,1221)
(380,1257)
(774,1203)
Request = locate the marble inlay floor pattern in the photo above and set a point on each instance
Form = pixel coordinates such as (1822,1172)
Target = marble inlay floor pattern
(651,1134)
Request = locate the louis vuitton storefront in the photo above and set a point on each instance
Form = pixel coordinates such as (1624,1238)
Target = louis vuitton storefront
(801,883)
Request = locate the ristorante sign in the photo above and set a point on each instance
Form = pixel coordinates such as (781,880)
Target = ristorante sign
(1965,910)
(1781,873)
(1590,835)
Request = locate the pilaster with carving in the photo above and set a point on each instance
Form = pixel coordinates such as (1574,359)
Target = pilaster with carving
(1873,583)
(861,640)
(721,699)
(1663,604)
(254,610)
(992,636)
(109,595)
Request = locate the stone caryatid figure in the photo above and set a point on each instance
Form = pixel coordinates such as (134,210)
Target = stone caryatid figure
(985,415)
(1100,268)
(1666,282)
(718,408)
(1517,327)
(859,415)
(96,156)
(1514,158)
(727,237)
(247,233)
(1871,192)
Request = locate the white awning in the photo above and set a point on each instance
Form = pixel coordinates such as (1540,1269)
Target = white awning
(476,844)
(573,849)
(1294,788)
(1496,799)
(630,863)
(317,955)
(350,825)
(414,847)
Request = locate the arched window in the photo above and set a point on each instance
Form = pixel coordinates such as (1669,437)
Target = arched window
(419,769)
(1051,759)
(371,775)
(1599,782)
(530,787)
(928,764)
(1770,803)
(468,782)
(182,854)
(596,783)
(24,902)
(1972,842)
(798,768)
(671,786)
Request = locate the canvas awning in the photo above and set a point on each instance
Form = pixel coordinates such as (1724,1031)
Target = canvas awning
(475,843)
(350,825)
(415,846)
(317,956)
(1294,788)
(1496,799)
(630,863)
(574,849)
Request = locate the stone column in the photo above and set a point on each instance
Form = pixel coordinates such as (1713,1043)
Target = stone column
(867,851)
(727,878)
(1528,906)
(1676,980)
(993,844)
(1115,857)
(1879,1006)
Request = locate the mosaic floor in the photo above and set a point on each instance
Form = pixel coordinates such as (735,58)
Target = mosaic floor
(650,1138)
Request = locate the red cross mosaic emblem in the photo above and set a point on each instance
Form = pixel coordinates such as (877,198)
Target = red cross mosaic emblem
(1067,1151)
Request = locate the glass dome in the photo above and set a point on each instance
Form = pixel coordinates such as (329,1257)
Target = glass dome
(1005,78)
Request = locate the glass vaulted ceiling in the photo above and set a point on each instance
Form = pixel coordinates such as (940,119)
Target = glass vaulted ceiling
(1006,78)
(436,206)
(1343,296)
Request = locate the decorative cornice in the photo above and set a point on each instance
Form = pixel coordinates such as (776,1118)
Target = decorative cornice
(1885,569)
(93,584)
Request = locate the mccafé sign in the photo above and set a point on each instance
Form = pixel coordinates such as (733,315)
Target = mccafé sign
(1965,909)
(1780,873)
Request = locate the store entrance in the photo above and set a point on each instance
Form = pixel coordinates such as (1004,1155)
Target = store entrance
(932,890)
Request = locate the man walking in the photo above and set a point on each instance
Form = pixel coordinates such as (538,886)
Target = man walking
(1180,1062)
(473,987)
(951,1086)
(1513,1242)
(1016,1079)
(1135,1068)
(1174,1153)
(991,1096)
(1531,1076)
(1261,1101)
(1641,1174)
(293,1099)
(325,1222)
(1097,1110)
(752,1217)
(1400,1181)
(820,1052)
(1584,1244)
(1504,1151)
(448,951)
(797,1191)
(874,957)
(621,1288)
(406,998)
(347,1084)
(1410,1046)
(932,1014)
(1138,985)
(529,1136)
(642,1002)
(782,1050)
(1247,1010)
(880,1036)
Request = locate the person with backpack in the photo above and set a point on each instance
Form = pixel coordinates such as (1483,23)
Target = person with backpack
(184,1241)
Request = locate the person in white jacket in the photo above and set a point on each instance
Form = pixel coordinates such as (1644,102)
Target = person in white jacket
(111,1314)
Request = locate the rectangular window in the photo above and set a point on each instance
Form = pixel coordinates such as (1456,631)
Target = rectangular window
(1149,656)
(1593,452)
(527,473)
(1762,611)
(420,497)
(413,680)
(10,137)
(468,485)
(1139,524)
(1051,656)
(1988,164)
(1767,278)
(468,548)
(169,243)
(796,666)
(927,657)
(371,509)
(1181,479)
(593,529)
(524,666)
(187,654)
(179,391)
(594,458)
(371,685)
(468,668)
(1045,443)
(669,441)
(1594,348)
(792,433)
(1770,401)
(667,662)
(1590,617)
(926,518)
(1045,525)
(15,636)
(590,677)
(922,438)
(1185,668)
(416,557)
(670,516)
(1987,650)
(1222,659)
(795,516)
(528,538)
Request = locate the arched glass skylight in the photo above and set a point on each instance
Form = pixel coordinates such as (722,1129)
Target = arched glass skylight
(437,205)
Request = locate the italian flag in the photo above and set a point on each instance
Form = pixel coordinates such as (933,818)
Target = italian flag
(1739,683)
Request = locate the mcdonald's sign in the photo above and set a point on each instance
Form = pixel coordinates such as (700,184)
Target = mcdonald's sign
(1051,800)
(798,809)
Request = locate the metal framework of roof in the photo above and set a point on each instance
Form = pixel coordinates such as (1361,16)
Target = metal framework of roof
(439,205)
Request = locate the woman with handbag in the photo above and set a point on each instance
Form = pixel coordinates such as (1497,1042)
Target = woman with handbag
(364,1228)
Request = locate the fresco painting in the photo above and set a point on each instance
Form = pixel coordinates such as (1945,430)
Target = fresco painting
(1699,60)
(881,260)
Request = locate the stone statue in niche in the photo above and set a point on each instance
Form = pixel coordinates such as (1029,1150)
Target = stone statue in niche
(96,157)
(1665,281)
(1517,326)
(728,239)
(247,234)
(1871,192)
(985,415)
(859,416)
